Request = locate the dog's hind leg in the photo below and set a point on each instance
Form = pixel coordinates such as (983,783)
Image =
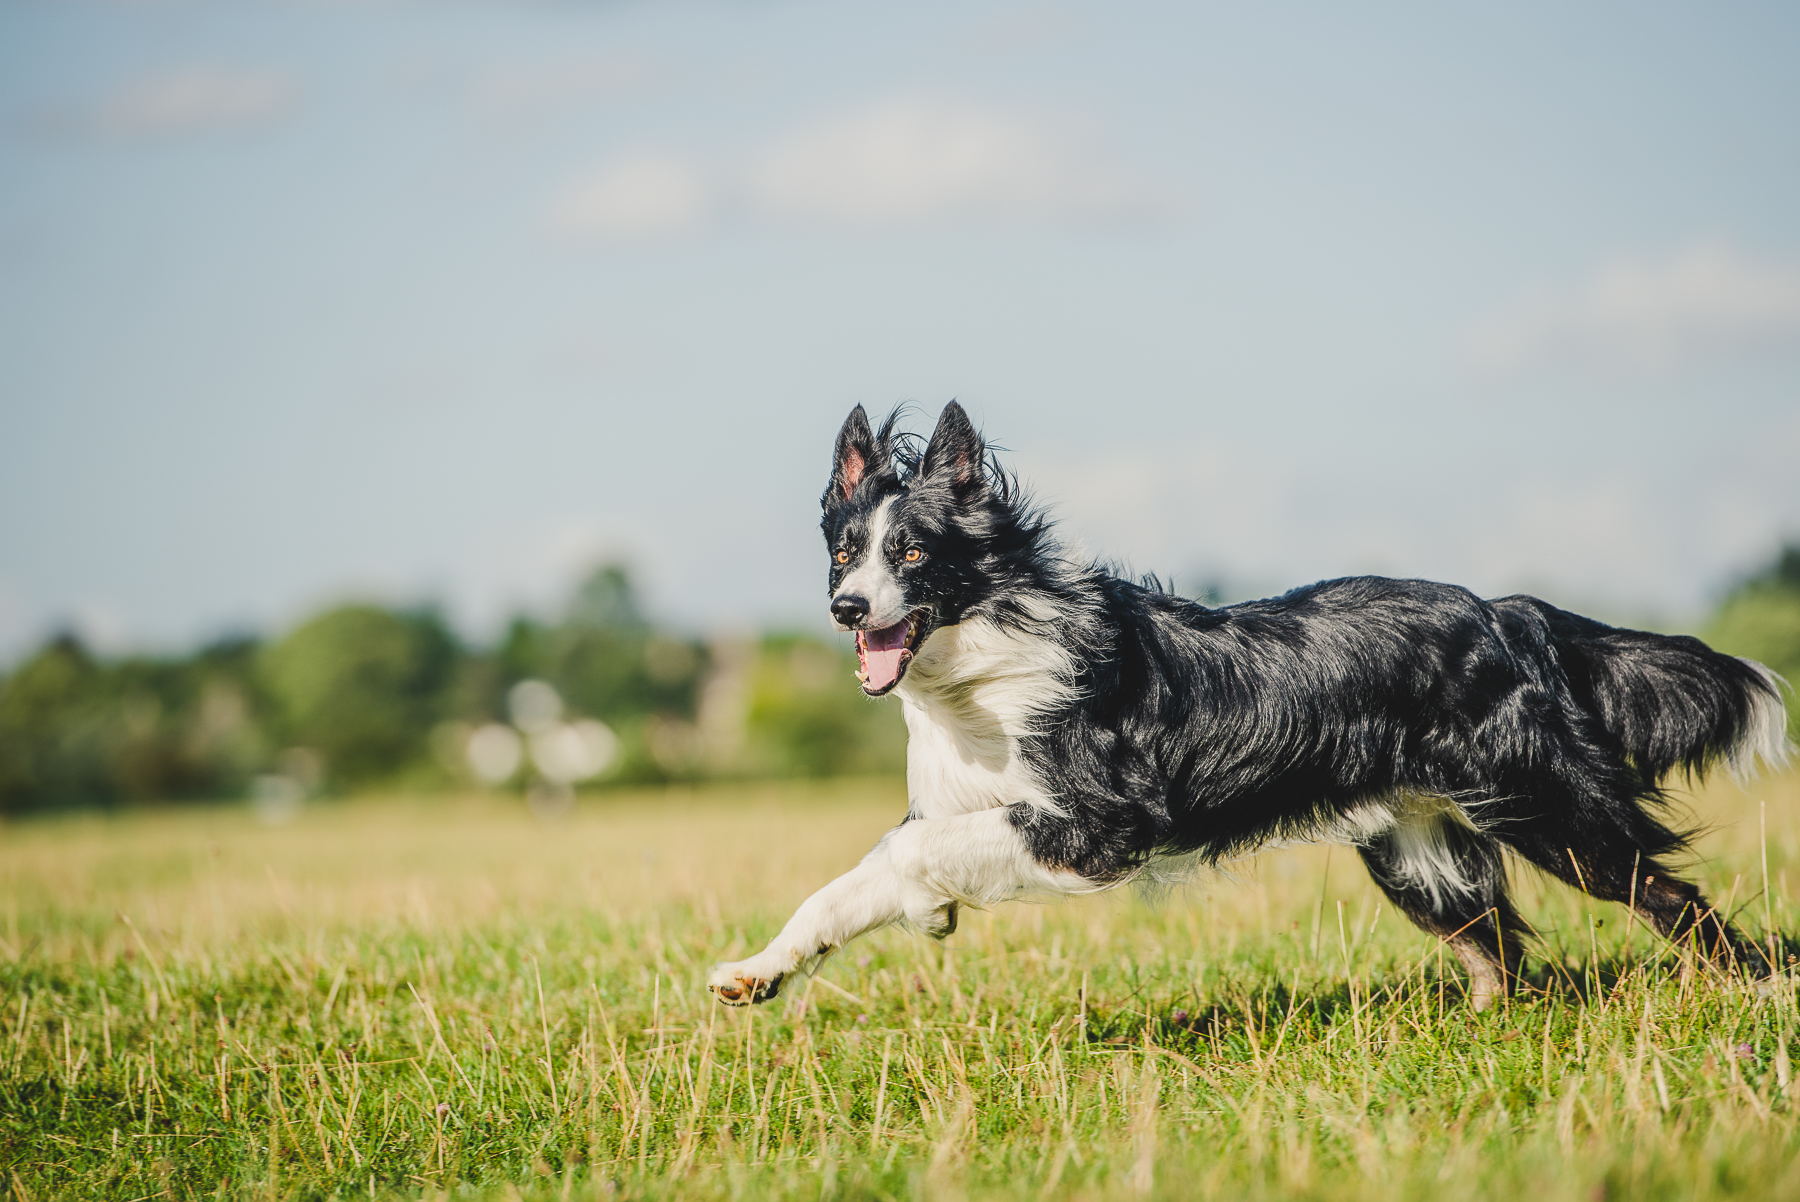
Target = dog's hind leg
(1603,863)
(1450,879)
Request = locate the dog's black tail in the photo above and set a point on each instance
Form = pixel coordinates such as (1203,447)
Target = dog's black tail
(1672,701)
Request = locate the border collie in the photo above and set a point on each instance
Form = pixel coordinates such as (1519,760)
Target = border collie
(1066,727)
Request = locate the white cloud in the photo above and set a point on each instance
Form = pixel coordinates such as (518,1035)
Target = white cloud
(1639,315)
(905,162)
(193,99)
(642,195)
(916,160)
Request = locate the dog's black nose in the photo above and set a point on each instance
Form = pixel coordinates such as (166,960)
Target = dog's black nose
(849,609)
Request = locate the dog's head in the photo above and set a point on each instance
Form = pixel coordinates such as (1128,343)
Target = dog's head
(911,537)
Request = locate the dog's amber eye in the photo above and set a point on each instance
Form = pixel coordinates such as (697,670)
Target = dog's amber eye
(843,557)
(914,555)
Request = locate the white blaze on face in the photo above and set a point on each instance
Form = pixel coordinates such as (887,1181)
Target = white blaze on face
(872,579)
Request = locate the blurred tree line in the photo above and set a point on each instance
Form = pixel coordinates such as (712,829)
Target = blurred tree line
(362,696)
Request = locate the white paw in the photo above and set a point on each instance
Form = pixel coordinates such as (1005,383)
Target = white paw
(748,982)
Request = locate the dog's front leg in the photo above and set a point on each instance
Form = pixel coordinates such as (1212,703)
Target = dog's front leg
(920,871)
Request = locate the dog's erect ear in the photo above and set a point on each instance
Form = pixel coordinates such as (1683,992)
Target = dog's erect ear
(953,457)
(855,457)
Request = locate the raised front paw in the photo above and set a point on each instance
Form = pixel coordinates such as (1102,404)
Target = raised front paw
(743,984)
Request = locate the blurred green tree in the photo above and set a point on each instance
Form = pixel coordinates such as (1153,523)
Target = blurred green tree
(363,686)
(74,730)
(608,662)
(807,717)
(606,600)
(53,729)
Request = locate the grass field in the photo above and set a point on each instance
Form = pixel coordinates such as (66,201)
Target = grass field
(429,997)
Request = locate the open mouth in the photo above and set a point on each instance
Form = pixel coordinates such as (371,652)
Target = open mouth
(883,654)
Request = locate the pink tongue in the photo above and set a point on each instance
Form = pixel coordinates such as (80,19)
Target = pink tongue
(883,651)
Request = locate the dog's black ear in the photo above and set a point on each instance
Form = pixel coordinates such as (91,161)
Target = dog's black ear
(953,457)
(856,456)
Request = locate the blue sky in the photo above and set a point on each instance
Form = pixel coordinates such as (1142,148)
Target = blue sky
(310,300)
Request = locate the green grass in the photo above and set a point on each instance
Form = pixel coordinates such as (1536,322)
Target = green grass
(447,998)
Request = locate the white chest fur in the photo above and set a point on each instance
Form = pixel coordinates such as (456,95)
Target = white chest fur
(974,692)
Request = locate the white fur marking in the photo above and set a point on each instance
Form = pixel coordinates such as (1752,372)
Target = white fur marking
(1413,825)
(974,691)
(872,579)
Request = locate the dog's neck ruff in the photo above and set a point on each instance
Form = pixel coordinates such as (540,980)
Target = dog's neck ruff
(975,691)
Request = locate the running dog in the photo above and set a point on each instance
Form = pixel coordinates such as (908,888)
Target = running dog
(1067,727)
